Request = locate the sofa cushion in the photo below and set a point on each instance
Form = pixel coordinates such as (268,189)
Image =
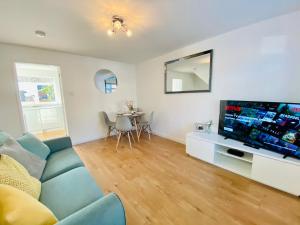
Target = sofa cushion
(19,208)
(69,192)
(14,174)
(108,210)
(34,164)
(58,144)
(34,145)
(3,137)
(61,162)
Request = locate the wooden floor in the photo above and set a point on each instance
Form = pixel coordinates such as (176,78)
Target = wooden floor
(159,184)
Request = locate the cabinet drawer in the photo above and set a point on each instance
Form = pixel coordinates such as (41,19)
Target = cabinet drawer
(281,175)
(200,149)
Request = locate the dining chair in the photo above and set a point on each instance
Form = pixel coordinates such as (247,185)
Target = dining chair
(145,124)
(110,124)
(124,126)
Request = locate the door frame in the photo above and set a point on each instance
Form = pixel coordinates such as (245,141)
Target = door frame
(20,108)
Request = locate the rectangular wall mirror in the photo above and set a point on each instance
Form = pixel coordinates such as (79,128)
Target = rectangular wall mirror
(189,74)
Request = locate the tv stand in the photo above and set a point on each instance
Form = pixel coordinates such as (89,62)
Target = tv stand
(250,145)
(260,165)
(286,155)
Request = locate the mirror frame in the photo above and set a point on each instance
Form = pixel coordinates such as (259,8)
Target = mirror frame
(211,51)
(96,83)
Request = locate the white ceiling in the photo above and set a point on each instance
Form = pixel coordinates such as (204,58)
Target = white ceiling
(158,26)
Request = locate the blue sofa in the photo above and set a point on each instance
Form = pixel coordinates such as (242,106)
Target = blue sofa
(70,192)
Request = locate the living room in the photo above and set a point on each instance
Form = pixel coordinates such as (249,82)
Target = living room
(120,136)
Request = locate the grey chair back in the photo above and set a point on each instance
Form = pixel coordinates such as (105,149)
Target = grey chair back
(150,120)
(147,118)
(123,123)
(105,116)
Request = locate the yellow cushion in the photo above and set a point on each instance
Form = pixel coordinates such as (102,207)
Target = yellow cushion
(19,208)
(14,174)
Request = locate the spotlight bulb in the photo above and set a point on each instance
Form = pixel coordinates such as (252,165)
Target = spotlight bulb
(129,33)
(110,32)
(117,24)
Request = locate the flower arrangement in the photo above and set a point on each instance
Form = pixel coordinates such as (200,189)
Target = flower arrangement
(130,105)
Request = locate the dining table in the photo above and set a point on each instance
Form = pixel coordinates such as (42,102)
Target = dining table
(133,116)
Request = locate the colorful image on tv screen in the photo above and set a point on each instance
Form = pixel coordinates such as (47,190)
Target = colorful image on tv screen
(274,126)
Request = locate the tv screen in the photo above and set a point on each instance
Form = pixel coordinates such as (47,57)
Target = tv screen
(270,125)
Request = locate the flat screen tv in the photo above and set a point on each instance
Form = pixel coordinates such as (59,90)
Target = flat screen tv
(271,125)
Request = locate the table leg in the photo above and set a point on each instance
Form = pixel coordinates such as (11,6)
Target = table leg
(136,128)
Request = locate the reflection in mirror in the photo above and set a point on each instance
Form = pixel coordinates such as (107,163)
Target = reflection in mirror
(189,74)
(106,81)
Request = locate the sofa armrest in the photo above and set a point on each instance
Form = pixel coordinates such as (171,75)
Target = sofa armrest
(108,210)
(58,144)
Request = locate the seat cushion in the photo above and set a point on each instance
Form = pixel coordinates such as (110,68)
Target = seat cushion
(69,192)
(61,162)
(111,124)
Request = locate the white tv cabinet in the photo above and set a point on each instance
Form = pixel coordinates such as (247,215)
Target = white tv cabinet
(261,165)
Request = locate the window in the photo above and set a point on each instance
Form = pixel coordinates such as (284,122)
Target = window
(35,90)
(176,84)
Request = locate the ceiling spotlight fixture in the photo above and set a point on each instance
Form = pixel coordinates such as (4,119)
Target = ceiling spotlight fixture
(40,33)
(118,25)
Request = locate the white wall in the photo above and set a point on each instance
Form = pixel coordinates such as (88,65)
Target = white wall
(258,62)
(82,100)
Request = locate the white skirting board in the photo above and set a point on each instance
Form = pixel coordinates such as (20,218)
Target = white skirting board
(179,140)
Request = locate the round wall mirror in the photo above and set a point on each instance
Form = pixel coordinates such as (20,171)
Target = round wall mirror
(106,81)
